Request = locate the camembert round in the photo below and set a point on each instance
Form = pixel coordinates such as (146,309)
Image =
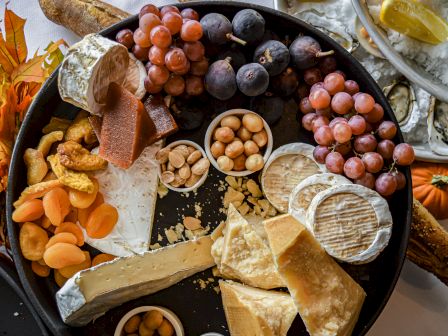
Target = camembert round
(302,195)
(353,223)
(287,166)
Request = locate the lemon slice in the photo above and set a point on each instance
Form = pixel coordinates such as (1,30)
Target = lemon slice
(414,19)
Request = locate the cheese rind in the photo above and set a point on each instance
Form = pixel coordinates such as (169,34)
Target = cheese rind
(353,223)
(287,166)
(302,195)
(327,298)
(252,311)
(88,68)
(92,292)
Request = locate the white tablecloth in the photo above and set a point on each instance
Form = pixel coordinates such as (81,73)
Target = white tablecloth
(419,304)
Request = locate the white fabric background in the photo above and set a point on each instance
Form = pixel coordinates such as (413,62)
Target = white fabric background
(419,304)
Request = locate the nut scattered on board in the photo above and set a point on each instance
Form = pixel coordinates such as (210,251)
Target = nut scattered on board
(182,166)
(238,142)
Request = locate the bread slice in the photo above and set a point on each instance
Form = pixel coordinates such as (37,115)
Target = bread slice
(327,298)
(256,312)
(242,254)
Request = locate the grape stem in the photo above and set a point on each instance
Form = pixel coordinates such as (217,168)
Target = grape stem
(439,181)
(233,38)
(324,53)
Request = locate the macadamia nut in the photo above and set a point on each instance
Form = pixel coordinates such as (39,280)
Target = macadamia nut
(253,122)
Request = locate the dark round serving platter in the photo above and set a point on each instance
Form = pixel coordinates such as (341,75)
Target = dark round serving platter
(200,310)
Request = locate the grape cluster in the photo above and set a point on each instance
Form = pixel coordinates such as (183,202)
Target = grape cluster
(352,136)
(169,41)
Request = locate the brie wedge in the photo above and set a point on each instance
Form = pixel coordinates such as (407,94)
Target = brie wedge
(133,192)
(327,298)
(88,68)
(351,222)
(287,166)
(256,312)
(134,81)
(242,254)
(302,195)
(90,293)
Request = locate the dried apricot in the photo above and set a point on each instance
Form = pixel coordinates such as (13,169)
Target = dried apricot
(60,280)
(36,191)
(56,205)
(42,262)
(63,254)
(40,270)
(62,237)
(50,177)
(101,221)
(70,271)
(82,199)
(45,222)
(72,215)
(28,211)
(72,228)
(32,240)
(83,214)
(101,258)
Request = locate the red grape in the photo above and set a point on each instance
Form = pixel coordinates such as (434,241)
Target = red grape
(141,38)
(368,181)
(191,31)
(175,59)
(326,112)
(157,55)
(357,124)
(150,8)
(336,120)
(364,103)
(365,143)
(373,162)
(158,74)
(318,85)
(342,73)
(199,68)
(324,136)
(319,98)
(184,70)
(342,132)
(403,154)
(335,163)
(175,86)
(387,130)
(140,53)
(194,51)
(342,102)
(125,37)
(369,128)
(151,87)
(320,153)
(354,168)
(169,9)
(328,64)
(385,149)
(312,76)
(351,87)
(173,21)
(344,148)
(319,121)
(161,37)
(401,180)
(194,85)
(375,115)
(189,13)
(307,121)
(334,83)
(305,106)
(386,184)
(148,22)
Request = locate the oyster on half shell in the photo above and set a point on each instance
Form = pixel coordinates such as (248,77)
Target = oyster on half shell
(401,97)
(345,40)
(438,126)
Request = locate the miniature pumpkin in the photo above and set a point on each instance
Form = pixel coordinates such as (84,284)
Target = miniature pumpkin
(430,187)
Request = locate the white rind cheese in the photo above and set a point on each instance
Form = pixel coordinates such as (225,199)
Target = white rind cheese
(287,166)
(133,192)
(88,68)
(302,195)
(135,77)
(252,311)
(92,292)
(242,254)
(353,223)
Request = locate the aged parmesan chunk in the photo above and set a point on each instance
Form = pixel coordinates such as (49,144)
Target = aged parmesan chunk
(92,292)
(87,70)
(353,223)
(327,298)
(252,311)
(302,195)
(287,166)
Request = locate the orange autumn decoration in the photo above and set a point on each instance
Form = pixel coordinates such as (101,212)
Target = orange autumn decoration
(20,79)
(430,187)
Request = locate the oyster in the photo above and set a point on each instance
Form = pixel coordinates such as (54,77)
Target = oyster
(438,126)
(401,97)
(344,39)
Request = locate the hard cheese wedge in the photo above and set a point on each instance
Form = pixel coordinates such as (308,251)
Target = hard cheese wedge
(92,292)
(327,298)
(256,312)
(242,254)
